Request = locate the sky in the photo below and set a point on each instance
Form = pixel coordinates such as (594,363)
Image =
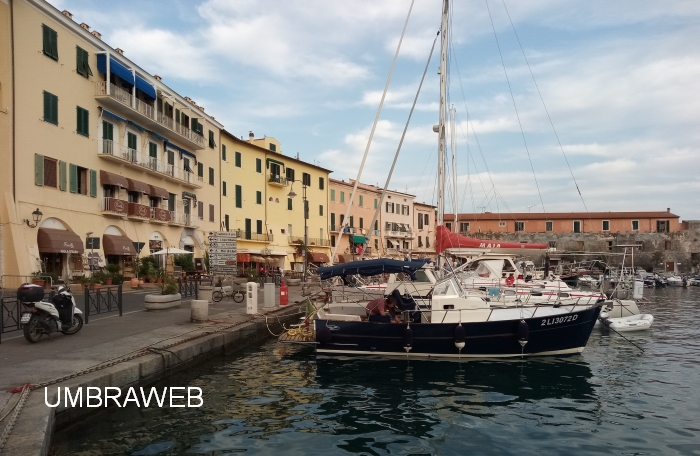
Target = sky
(549,95)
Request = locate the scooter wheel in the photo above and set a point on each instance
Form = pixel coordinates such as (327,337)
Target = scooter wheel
(77,325)
(32,330)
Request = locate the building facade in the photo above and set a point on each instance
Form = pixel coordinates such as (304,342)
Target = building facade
(398,234)
(98,146)
(263,193)
(359,236)
(424,229)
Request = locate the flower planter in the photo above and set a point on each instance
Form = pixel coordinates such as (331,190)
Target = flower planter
(140,282)
(162,302)
(96,286)
(108,281)
(39,282)
(134,282)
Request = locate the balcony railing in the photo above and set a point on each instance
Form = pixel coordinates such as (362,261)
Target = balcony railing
(400,234)
(114,206)
(312,241)
(160,215)
(125,98)
(109,147)
(277,179)
(138,210)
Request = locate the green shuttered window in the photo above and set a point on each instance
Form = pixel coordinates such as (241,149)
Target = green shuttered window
(62,176)
(50,42)
(93,183)
(238,159)
(83,121)
(212,143)
(321,183)
(239,196)
(73,178)
(211,176)
(289,204)
(107,130)
(82,64)
(223,188)
(258,165)
(38,169)
(258,197)
(223,152)
(50,108)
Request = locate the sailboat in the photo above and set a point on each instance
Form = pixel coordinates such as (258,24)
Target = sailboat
(456,322)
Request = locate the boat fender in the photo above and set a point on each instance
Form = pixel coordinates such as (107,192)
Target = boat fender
(460,336)
(523,333)
(324,335)
(407,339)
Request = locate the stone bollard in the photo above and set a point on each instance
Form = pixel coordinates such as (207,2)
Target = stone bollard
(205,293)
(200,310)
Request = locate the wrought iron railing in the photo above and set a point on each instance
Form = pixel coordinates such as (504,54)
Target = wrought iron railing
(103,300)
(188,287)
(312,241)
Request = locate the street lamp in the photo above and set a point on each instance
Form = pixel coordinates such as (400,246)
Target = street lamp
(36,216)
(292,194)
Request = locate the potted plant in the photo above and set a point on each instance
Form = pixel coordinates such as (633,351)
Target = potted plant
(167,298)
(36,278)
(85,282)
(134,282)
(159,274)
(112,271)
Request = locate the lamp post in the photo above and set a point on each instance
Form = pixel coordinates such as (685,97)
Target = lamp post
(36,217)
(291,194)
(92,250)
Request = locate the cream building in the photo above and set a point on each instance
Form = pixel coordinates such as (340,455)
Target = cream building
(99,146)
(259,180)
(357,227)
(397,231)
(424,229)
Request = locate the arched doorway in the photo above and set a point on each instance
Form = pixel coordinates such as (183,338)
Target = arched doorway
(60,249)
(119,249)
(156,242)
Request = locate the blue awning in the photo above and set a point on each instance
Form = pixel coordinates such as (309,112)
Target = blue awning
(370,267)
(145,87)
(181,150)
(104,111)
(114,67)
(137,126)
(159,136)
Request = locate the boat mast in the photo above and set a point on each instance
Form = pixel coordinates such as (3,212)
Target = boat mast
(441,125)
(453,136)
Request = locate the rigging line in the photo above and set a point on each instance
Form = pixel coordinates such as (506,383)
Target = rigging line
(476,169)
(515,106)
(545,108)
(427,162)
(398,149)
(374,126)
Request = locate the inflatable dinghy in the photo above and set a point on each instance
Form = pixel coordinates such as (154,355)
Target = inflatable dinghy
(631,323)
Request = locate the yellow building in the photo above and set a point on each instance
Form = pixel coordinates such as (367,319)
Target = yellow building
(263,200)
(99,146)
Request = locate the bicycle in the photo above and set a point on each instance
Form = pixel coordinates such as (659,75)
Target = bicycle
(236,294)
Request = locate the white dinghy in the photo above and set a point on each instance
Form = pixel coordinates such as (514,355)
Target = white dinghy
(639,322)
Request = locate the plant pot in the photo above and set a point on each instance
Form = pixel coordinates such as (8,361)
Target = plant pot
(159,280)
(108,281)
(39,282)
(96,286)
(134,282)
(140,282)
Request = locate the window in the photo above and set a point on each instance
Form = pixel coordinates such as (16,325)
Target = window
(82,65)
(321,183)
(420,221)
(427,223)
(50,108)
(610,245)
(212,143)
(635,225)
(606,225)
(258,165)
(376,225)
(320,209)
(306,179)
(362,201)
(289,204)
(420,241)
(79,180)
(667,245)
(427,242)
(362,224)
(552,244)
(332,195)
(290,174)
(258,226)
(171,202)
(200,169)
(464,227)
(342,219)
(107,131)
(577,226)
(662,226)
(258,197)
(239,196)
(352,222)
(223,152)
(501,224)
(223,188)
(198,127)
(200,210)
(376,203)
(50,42)
(238,160)
(211,176)
(211,212)
(153,154)
(248,228)
(273,147)
(50,172)
(548,226)
(448,225)
(342,197)
(332,241)
(519,226)
(186,165)
(226,219)
(332,221)
(580,245)
(83,122)
(131,141)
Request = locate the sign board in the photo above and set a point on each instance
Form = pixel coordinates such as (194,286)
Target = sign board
(222,252)
(92,243)
(138,246)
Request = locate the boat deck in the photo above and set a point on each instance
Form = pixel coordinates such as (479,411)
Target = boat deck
(298,338)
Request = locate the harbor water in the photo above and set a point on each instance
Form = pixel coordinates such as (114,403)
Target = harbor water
(277,399)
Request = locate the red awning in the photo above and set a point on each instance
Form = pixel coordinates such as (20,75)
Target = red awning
(137,186)
(117,245)
(317,257)
(445,239)
(51,240)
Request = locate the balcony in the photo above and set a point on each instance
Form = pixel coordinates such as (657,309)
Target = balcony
(244,235)
(113,207)
(398,234)
(277,180)
(159,215)
(183,219)
(312,241)
(138,211)
(114,151)
(122,100)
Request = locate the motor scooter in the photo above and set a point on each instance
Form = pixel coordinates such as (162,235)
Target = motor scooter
(41,318)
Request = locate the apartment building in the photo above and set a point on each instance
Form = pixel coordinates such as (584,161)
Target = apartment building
(359,236)
(424,229)
(264,194)
(94,146)
(398,234)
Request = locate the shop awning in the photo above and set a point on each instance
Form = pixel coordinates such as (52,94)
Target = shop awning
(51,240)
(157,192)
(344,259)
(107,178)
(145,87)
(117,245)
(356,239)
(114,68)
(317,257)
(137,186)
(256,259)
(243,257)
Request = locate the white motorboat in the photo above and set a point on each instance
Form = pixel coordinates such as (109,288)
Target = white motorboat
(639,322)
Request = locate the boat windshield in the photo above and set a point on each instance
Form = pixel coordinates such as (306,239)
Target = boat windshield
(422,276)
(448,287)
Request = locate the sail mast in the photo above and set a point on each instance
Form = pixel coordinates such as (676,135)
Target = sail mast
(441,125)
(453,138)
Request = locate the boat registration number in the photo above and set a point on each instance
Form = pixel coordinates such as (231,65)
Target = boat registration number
(25,318)
(557,320)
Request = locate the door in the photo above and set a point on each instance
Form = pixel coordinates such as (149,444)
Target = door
(670,266)
(274,172)
(247,228)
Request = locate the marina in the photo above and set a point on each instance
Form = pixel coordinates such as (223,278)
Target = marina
(611,399)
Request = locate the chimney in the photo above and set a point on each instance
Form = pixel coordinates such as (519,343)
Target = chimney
(201,108)
(158,78)
(68,14)
(97,34)
(251,135)
(120,51)
(85,26)
(668,209)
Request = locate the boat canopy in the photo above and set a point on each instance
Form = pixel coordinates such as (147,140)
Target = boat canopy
(370,267)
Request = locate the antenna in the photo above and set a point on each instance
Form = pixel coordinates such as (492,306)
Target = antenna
(531,206)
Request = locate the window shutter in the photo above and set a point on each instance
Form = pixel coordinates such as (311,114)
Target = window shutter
(211,176)
(79,60)
(47,39)
(54,43)
(320,210)
(93,183)
(79,122)
(289,204)
(226,221)
(62,176)
(200,209)
(258,165)
(211,212)
(258,197)
(223,188)
(73,178)
(239,196)
(223,152)
(39,169)
(86,121)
